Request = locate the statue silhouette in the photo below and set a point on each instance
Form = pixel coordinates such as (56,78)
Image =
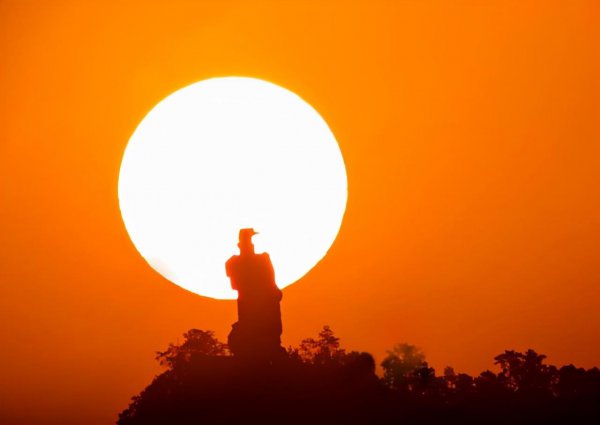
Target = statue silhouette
(257,333)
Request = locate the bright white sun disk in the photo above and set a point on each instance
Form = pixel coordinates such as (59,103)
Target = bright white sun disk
(224,154)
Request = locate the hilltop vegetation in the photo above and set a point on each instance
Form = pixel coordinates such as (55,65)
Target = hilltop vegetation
(319,382)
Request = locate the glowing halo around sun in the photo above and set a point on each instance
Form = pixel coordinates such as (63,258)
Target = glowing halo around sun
(224,154)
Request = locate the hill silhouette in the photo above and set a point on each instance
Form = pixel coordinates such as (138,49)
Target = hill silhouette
(319,382)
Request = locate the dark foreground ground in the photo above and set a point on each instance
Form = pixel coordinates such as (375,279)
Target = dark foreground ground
(322,384)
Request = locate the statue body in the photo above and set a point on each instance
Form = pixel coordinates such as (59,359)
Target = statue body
(257,333)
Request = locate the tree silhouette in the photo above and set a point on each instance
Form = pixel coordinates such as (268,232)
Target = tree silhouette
(490,385)
(400,365)
(526,372)
(196,343)
(574,383)
(323,350)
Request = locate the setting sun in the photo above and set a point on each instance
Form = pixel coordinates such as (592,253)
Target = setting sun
(224,154)
(424,177)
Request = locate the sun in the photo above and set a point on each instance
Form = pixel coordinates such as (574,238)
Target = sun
(224,154)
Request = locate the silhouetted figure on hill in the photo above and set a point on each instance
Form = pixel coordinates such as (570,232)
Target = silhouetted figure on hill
(257,333)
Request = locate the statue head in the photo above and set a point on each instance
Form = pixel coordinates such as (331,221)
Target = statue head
(245,241)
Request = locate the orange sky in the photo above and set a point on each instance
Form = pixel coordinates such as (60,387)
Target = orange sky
(471,135)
